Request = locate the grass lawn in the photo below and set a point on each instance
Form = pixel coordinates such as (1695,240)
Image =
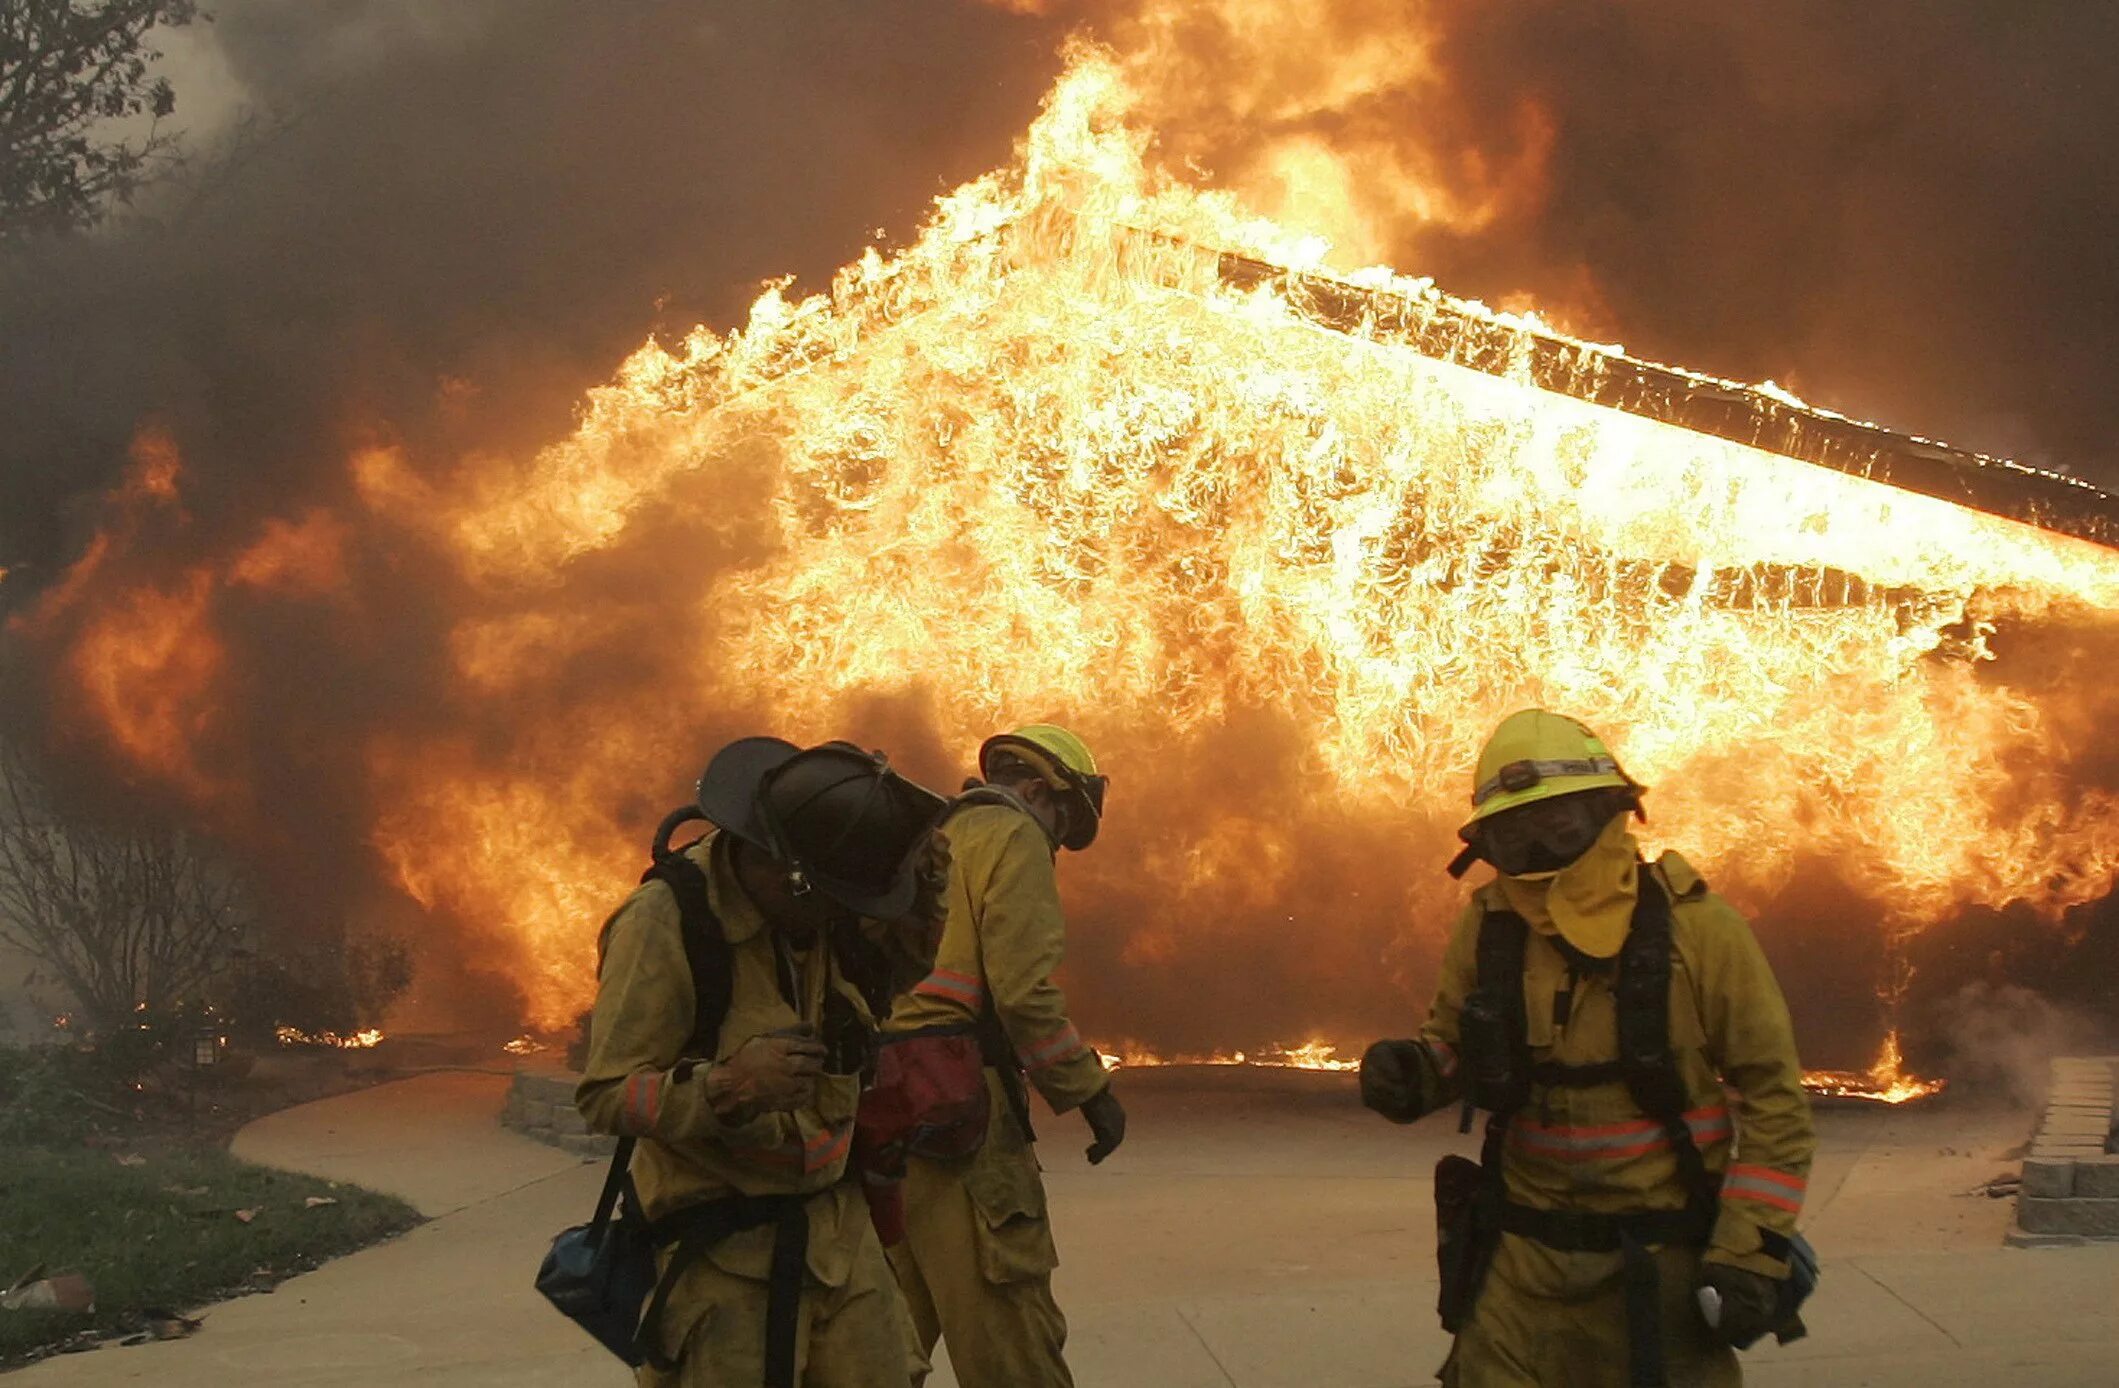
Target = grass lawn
(164,1234)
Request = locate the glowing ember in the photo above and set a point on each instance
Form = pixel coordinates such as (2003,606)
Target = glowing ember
(357,1041)
(1885,1082)
(524,1045)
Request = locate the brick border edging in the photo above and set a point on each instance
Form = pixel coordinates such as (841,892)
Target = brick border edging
(540,1105)
(2070,1191)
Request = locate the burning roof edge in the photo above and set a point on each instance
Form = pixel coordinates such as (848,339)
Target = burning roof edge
(1467,335)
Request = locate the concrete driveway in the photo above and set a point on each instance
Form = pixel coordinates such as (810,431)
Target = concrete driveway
(1257,1231)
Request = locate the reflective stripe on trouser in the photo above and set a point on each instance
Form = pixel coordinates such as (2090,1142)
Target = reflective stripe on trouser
(851,1336)
(1000,1333)
(1546,1319)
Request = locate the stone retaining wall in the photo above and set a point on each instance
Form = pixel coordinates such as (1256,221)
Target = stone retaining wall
(2071,1175)
(540,1104)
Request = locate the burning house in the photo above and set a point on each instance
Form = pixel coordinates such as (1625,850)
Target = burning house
(1101,446)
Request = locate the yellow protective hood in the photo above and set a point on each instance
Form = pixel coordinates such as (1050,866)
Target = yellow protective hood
(1590,901)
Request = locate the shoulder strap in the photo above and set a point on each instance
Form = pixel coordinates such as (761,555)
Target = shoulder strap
(617,1180)
(994,1048)
(706,948)
(1643,998)
(979,793)
(864,964)
(1504,938)
(1493,1033)
(1645,1058)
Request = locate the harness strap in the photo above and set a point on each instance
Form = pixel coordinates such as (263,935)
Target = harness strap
(1000,1057)
(619,1179)
(1632,1235)
(1584,1231)
(1649,1070)
(1644,1315)
(688,1234)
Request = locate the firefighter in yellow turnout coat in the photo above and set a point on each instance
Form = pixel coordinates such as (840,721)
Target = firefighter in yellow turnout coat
(763,1112)
(977,1257)
(1604,1239)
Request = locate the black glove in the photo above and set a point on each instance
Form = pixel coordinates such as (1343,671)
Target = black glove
(1750,1304)
(1398,1080)
(1107,1121)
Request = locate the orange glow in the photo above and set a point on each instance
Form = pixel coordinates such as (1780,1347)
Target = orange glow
(1197,502)
(156,467)
(1042,463)
(146,666)
(304,558)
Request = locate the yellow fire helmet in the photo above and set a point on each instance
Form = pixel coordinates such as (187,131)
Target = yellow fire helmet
(1535,755)
(1064,760)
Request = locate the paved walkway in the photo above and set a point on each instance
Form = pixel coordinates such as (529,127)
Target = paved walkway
(1258,1231)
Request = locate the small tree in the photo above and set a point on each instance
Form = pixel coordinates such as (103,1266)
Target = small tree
(69,70)
(122,917)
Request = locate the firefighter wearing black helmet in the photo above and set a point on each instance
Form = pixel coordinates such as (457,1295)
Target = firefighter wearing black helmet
(743,1135)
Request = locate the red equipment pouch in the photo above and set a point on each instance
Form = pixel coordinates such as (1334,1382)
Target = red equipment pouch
(929,1099)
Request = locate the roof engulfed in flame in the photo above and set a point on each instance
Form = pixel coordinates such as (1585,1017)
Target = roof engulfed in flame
(1282,546)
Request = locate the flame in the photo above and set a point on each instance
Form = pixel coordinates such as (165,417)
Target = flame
(1043,462)
(1031,433)
(1314,1054)
(1885,1081)
(366,1039)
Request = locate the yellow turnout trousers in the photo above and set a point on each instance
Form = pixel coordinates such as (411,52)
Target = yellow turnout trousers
(850,1336)
(1546,1319)
(976,1264)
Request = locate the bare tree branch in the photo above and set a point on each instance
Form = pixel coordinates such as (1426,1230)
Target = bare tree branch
(122,917)
(67,68)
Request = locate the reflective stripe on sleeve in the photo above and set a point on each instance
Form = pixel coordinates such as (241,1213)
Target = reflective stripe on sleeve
(1766,1186)
(954,987)
(643,1103)
(1062,1046)
(825,1147)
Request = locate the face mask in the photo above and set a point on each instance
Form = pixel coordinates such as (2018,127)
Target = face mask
(1544,837)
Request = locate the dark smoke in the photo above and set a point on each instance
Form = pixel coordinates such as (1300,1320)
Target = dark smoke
(507,193)
(1902,211)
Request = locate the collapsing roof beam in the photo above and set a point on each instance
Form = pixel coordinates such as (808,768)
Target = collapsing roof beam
(1450,330)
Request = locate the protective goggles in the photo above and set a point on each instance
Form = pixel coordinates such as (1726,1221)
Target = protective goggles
(1545,835)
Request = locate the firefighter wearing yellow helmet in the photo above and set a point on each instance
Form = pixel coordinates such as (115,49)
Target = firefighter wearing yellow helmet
(976,1254)
(1632,1220)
